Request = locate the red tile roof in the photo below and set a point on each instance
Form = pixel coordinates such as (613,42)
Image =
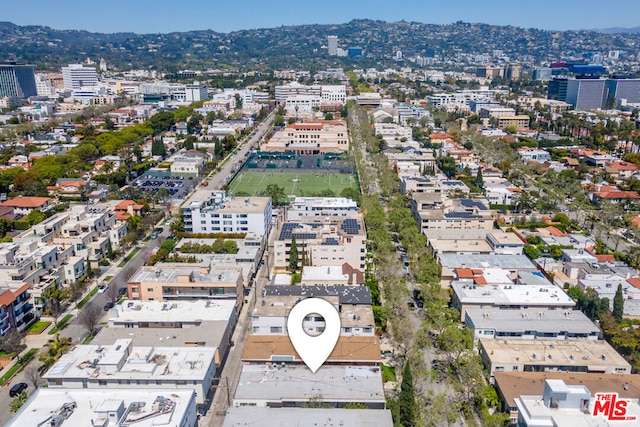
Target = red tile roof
(8,296)
(605,258)
(634,281)
(464,273)
(618,194)
(623,166)
(26,202)
(556,232)
(440,135)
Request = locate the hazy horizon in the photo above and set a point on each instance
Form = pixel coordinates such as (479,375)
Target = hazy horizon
(145,16)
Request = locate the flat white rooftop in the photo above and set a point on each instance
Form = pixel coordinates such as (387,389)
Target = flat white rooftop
(537,413)
(173,311)
(126,362)
(139,407)
(298,384)
(171,275)
(306,417)
(549,321)
(333,272)
(495,295)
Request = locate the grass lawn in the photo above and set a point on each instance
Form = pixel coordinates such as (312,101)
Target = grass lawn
(38,327)
(86,299)
(106,279)
(60,324)
(388,373)
(16,367)
(128,257)
(253,183)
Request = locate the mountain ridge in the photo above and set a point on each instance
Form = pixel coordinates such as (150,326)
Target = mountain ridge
(297,45)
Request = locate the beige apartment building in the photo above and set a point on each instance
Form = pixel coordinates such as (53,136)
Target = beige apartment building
(520,122)
(332,243)
(320,137)
(166,283)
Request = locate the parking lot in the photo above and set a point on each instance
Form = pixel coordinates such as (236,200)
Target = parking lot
(176,186)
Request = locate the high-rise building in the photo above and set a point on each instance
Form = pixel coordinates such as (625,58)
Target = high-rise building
(619,89)
(77,76)
(17,80)
(332,44)
(585,93)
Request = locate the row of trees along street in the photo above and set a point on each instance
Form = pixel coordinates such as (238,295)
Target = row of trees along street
(458,362)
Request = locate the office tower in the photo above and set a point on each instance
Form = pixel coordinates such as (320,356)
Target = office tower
(332,43)
(582,93)
(354,52)
(623,89)
(76,76)
(17,80)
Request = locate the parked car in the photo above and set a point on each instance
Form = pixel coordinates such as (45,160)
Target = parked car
(108,306)
(102,289)
(17,389)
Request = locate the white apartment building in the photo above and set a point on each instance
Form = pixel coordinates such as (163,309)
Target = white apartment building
(209,211)
(529,154)
(333,94)
(271,317)
(123,366)
(77,76)
(142,407)
(324,244)
(458,214)
(299,104)
(392,131)
(329,94)
(326,136)
(186,165)
(44,86)
(317,209)
(531,324)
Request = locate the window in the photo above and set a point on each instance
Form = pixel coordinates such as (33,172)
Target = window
(276,329)
(347,330)
(134,289)
(149,289)
(368,330)
(256,329)
(102,382)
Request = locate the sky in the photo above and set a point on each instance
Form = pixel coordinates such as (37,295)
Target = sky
(162,16)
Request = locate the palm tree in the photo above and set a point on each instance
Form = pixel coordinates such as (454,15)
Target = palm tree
(55,349)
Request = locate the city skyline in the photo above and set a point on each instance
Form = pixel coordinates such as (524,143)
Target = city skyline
(154,17)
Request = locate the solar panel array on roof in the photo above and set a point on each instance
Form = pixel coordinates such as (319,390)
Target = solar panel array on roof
(301,236)
(470,203)
(287,229)
(330,242)
(350,226)
(461,215)
(346,294)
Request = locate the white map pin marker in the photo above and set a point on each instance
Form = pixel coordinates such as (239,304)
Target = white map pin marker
(314,350)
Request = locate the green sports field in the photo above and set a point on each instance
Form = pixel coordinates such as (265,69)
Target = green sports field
(299,184)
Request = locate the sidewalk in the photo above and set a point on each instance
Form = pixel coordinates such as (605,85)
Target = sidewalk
(41,339)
